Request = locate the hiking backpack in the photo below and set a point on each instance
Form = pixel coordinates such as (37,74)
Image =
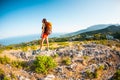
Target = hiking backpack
(48,28)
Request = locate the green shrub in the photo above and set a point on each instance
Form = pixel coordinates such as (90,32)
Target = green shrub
(4,60)
(18,64)
(91,75)
(85,57)
(101,67)
(66,61)
(6,78)
(43,64)
(116,76)
(3,76)
(1,72)
(13,76)
(95,74)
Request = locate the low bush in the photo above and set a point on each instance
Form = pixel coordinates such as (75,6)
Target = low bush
(6,78)
(13,76)
(43,64)
(116,76)
(101,67)
(4,60)
(66,61)
(91,75)
(1,72)
(19,64)
(85,57)
(3,76)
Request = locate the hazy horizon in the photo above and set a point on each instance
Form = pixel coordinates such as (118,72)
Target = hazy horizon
(23,17)
(29,35)
(25,38)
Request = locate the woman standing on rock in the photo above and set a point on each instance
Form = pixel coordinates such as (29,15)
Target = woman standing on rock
(46,30)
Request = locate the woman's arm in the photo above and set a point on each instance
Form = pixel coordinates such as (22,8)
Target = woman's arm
(43,28)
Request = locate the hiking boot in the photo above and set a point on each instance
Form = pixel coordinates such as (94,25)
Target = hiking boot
(47,49)
(38,51)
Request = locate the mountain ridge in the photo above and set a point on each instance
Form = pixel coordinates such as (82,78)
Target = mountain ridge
(109,29)
(91,28)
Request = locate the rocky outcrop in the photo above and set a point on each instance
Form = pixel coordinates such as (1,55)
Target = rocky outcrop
(89,57)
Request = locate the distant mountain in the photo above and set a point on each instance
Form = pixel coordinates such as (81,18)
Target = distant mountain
(109,30)
(91,28)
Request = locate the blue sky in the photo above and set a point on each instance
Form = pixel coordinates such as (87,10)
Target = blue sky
(23,17)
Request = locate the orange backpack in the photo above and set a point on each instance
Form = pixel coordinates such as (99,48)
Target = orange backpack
(48,28)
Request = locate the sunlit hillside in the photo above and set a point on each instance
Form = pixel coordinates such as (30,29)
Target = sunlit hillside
(65,60)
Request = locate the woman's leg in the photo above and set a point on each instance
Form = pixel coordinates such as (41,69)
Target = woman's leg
(41,43)
(47,41)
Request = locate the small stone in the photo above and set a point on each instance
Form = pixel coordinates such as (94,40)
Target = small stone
(20,78)
(33,52)
(49,77)
(118,66)
(59,69)
(79,60)
(69,68)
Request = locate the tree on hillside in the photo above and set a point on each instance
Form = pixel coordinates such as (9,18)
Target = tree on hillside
(97,36)
(117,35)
